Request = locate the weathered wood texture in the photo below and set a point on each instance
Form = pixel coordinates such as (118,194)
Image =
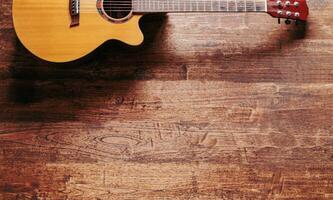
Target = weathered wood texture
(210,107)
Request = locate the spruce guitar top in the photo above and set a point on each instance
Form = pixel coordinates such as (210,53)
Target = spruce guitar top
(65,30)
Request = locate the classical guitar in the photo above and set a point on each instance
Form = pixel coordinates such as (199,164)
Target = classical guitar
(65,30)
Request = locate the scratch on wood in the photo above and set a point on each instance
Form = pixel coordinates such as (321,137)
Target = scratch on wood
(159,130)
(151,143)
(185,71)
(104,177)
(277,184)
(194,184)
(204,137)
(245,155)
(178,130)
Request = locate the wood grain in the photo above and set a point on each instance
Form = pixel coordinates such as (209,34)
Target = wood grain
(210,107)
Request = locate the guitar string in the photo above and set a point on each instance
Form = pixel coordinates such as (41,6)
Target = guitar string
(231,2)
(187,8)
(162,3)
(165,6)
(191,6)
(138,3)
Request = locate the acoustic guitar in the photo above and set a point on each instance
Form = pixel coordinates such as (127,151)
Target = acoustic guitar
(65,30)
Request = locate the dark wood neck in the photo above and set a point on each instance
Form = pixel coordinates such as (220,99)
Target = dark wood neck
(160,6)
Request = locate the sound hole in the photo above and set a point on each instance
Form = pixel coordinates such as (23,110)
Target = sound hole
(117,9)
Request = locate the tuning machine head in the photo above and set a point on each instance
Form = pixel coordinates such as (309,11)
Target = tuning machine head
(288,9)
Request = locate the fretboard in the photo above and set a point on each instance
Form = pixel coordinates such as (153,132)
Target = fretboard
(147,6)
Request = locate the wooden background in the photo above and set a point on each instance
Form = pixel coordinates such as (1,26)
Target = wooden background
(213,106)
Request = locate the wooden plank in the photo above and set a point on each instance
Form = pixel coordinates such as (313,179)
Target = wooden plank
(160,141)
(211,107)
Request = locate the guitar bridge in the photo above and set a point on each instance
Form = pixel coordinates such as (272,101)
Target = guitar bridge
(74,11)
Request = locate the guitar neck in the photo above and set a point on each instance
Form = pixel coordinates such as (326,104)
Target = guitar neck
(160,6)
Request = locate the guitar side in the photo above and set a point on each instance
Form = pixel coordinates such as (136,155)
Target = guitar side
(44,29)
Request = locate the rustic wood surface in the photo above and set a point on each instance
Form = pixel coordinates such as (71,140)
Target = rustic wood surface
(214,106)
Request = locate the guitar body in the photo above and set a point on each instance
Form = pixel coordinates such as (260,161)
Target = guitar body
(65,30)
(43,26)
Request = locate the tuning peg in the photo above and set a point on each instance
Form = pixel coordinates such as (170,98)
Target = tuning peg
(288,21)
(279,3)
(287,3)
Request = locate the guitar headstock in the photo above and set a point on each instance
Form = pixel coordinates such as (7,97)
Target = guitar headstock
(288,9)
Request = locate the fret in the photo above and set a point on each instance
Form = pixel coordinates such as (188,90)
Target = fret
(164,5)
(158,6)
(176,5)
(188,5)
(232,6)
(168,5)
(215,5)
(249,6)
(154,5)
(240,5)
(207,6)
(261,5)
(136,4)
(181,6)
(199,5)
(224,6)
(193,5)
